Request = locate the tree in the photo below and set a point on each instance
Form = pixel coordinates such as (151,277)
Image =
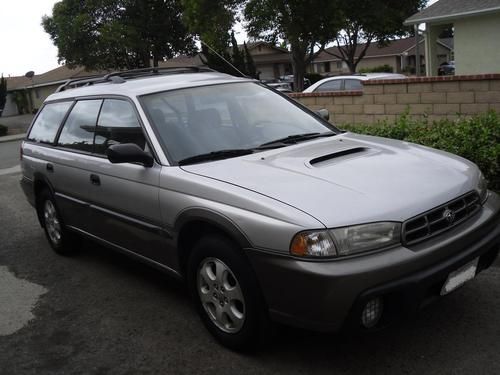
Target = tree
(305,26)
(365,22)
(232,60)
(3,94)
(250,63)
(115,34)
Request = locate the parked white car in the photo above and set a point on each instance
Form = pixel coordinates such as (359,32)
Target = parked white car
(349,82)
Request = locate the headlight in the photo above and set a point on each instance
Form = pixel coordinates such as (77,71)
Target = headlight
(346,241)
(482,187)
(360,238)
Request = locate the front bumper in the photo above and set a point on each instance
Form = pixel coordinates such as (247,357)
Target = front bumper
(325,295)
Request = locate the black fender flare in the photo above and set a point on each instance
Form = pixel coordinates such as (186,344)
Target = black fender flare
(215,219)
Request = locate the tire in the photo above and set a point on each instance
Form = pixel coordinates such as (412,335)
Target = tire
(226,293)
(60,239)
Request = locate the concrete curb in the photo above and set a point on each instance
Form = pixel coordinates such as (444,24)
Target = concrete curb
(10,138)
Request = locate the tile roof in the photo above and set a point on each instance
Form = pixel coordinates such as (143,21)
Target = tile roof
(59,74)
(450,9)
(394,48)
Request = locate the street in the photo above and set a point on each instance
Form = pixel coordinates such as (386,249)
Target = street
(100,313)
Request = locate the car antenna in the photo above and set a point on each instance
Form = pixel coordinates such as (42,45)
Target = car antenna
(223,59)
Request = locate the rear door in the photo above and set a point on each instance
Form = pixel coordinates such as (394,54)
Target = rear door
(125,205)
(67,163)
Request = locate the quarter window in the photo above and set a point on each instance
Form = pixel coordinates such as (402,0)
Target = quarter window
(47,123)
(117,124)
(79,128)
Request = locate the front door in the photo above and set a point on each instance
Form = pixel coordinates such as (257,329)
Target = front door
(125,207)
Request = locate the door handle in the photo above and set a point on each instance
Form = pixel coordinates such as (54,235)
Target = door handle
(50,167)
(94,179)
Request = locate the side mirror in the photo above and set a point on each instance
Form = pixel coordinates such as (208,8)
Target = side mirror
(129,153)
(323,113)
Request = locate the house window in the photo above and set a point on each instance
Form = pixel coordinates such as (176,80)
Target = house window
(37,93)
(326,67)
(339,64)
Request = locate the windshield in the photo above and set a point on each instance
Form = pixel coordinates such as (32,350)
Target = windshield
(207,119)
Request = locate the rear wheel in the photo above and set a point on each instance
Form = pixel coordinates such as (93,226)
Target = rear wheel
(226,293)
(60,239)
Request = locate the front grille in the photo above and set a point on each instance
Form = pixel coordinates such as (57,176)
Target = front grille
(440,218)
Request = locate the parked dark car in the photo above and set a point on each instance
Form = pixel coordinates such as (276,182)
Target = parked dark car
(447,69)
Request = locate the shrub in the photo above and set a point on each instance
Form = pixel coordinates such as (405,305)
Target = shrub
(3,130)
(476,138)
(313,77)
(378,69)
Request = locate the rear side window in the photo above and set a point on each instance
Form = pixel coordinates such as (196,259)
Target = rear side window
(117,123)
(353,84)
(334,85)
(79,128)
(48,121)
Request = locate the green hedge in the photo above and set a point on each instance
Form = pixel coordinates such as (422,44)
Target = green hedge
(476,138)
(378,69)
(3,130)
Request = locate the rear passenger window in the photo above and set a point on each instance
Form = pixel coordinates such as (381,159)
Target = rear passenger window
(333,85)
(48,121)
(79,128)
(117,124)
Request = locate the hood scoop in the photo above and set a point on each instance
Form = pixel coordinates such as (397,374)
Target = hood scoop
(337,154)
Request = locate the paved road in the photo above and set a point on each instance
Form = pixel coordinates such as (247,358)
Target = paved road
(9,154)
(100,313)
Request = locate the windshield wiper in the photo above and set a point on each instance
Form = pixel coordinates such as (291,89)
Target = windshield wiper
(298,138)
(216,155)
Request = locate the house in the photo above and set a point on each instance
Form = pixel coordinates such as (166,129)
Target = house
(399,54)
(476,26)
(29,93)
(271,61)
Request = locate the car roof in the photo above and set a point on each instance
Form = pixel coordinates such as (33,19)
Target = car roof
(360,77)
(148,84)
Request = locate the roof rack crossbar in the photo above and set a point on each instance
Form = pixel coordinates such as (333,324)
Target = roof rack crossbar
(133,73)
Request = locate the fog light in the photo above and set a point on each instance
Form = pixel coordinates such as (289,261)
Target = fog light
(372,312)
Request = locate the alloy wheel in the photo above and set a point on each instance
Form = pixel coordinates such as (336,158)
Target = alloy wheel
(52,222)
(221,295)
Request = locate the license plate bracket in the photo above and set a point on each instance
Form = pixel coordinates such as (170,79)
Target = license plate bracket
(459,277)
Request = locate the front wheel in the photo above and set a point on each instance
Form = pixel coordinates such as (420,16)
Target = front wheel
(226,293)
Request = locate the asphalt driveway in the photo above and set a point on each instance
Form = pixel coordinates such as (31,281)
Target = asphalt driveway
(17,124)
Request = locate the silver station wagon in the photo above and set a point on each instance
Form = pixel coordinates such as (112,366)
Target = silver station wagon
(268,211)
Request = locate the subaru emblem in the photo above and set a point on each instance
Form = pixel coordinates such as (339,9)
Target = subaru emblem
(449,215)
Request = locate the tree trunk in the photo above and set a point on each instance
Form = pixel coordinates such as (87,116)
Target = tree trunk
(299,69)
(352,66)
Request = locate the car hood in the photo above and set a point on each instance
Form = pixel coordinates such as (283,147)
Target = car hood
(350,178)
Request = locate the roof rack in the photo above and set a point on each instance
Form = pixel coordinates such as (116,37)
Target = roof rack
(122,76)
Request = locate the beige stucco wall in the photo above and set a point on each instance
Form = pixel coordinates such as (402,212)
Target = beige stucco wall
(373,62)
(39,94)
(477,45)
(10,108)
